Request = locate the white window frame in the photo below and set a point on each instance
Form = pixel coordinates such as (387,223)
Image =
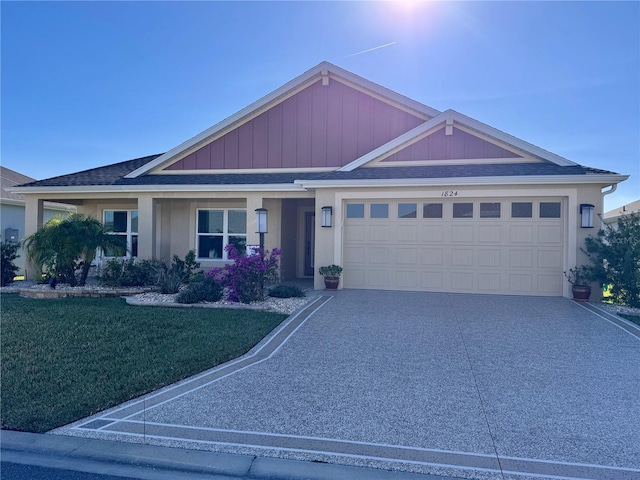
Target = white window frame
(225,231)
(129,234)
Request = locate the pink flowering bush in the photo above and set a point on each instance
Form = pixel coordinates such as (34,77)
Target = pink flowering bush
(245,278)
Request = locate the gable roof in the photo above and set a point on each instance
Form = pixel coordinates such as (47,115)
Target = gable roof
(320,72)
(613,215)
(451,118)
(10,178)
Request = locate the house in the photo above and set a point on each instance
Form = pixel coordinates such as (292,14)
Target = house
(403,196)
(12,206)
(612,216)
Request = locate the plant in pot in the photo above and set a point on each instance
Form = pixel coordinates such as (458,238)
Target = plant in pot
(580,279)
(331,274)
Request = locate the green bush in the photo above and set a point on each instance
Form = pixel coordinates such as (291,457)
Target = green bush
(179,273)
(615,253)
(8,269)
(131,273)
(207,290)
(286,291)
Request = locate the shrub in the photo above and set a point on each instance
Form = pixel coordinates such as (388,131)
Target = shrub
(286,291)
(8,269)
(615,253)
(247,276)
(180,272)
(207,290)
(131,273)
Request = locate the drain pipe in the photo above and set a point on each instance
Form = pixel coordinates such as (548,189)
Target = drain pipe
(604,194)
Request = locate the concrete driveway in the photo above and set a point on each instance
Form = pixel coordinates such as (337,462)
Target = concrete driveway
(462,385)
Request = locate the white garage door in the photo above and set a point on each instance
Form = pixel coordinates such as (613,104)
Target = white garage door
(510,246)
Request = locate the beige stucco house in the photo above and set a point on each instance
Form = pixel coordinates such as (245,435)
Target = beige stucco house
(413,198)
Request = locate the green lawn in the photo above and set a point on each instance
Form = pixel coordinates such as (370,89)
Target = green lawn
(64,359)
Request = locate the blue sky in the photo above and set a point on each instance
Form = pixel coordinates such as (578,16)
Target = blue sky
(86,84)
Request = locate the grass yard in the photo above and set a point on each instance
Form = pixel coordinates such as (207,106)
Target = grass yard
(64,359)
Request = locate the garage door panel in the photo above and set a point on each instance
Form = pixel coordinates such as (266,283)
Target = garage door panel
(521,234)
(462,281)
(490,233)
(432,280)
(433,233)
(407,256)
(432,256)
(407,279)
(549,259)
(462,233)
(518,256)
(462,257)
(489,282)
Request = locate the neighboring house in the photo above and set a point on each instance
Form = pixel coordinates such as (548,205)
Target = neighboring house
(12,211)
(414,198)
(612,216)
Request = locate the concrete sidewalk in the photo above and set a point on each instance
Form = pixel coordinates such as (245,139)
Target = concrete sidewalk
(164,463)
(471,386)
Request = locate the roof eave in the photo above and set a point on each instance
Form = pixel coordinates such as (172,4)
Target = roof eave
(604,179)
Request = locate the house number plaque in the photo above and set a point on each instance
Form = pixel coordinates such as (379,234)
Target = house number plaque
(449,193)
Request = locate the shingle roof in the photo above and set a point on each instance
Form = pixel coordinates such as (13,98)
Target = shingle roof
(10,178)
(114,174)
(108,175)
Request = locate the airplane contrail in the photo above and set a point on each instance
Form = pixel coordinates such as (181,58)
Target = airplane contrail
(371,49)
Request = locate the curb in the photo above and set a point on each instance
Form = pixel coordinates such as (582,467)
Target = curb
(156,462)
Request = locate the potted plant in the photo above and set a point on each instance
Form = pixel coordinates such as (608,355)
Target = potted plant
(331,274)
(580,280)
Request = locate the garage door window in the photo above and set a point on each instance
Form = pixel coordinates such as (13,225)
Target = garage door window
(549,209)
(407,210)
(463,210)
(521,210)
(379,210)
(490,210)
(432,210)
(355,210)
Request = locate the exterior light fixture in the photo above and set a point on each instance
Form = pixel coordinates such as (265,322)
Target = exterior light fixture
(327,212)
(586,215)
(261,220)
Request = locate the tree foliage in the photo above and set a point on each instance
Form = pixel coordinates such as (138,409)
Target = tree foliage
(8,270)
(615,253)
(66,245)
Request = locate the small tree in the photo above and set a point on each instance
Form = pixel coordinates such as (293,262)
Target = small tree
(65,245)
(8,269)
(615,253)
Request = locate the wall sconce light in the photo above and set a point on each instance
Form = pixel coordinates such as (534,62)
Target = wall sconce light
(586,215)
(327,212)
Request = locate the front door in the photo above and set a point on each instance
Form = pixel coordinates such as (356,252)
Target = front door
(309,242)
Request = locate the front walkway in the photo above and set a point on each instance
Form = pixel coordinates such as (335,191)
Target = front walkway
(462,385)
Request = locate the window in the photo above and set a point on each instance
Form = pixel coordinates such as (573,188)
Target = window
(407,210)
(521,210)
(355,210)
(549,209)
(431,210)
(124,224)
(218,228)
(463,210)
(379,210)
(490,210)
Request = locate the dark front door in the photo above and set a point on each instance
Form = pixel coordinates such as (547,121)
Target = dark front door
(309,245)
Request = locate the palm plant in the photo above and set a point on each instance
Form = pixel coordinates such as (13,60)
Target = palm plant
(66,244)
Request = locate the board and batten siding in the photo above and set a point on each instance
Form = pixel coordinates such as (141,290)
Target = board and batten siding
(318,127)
